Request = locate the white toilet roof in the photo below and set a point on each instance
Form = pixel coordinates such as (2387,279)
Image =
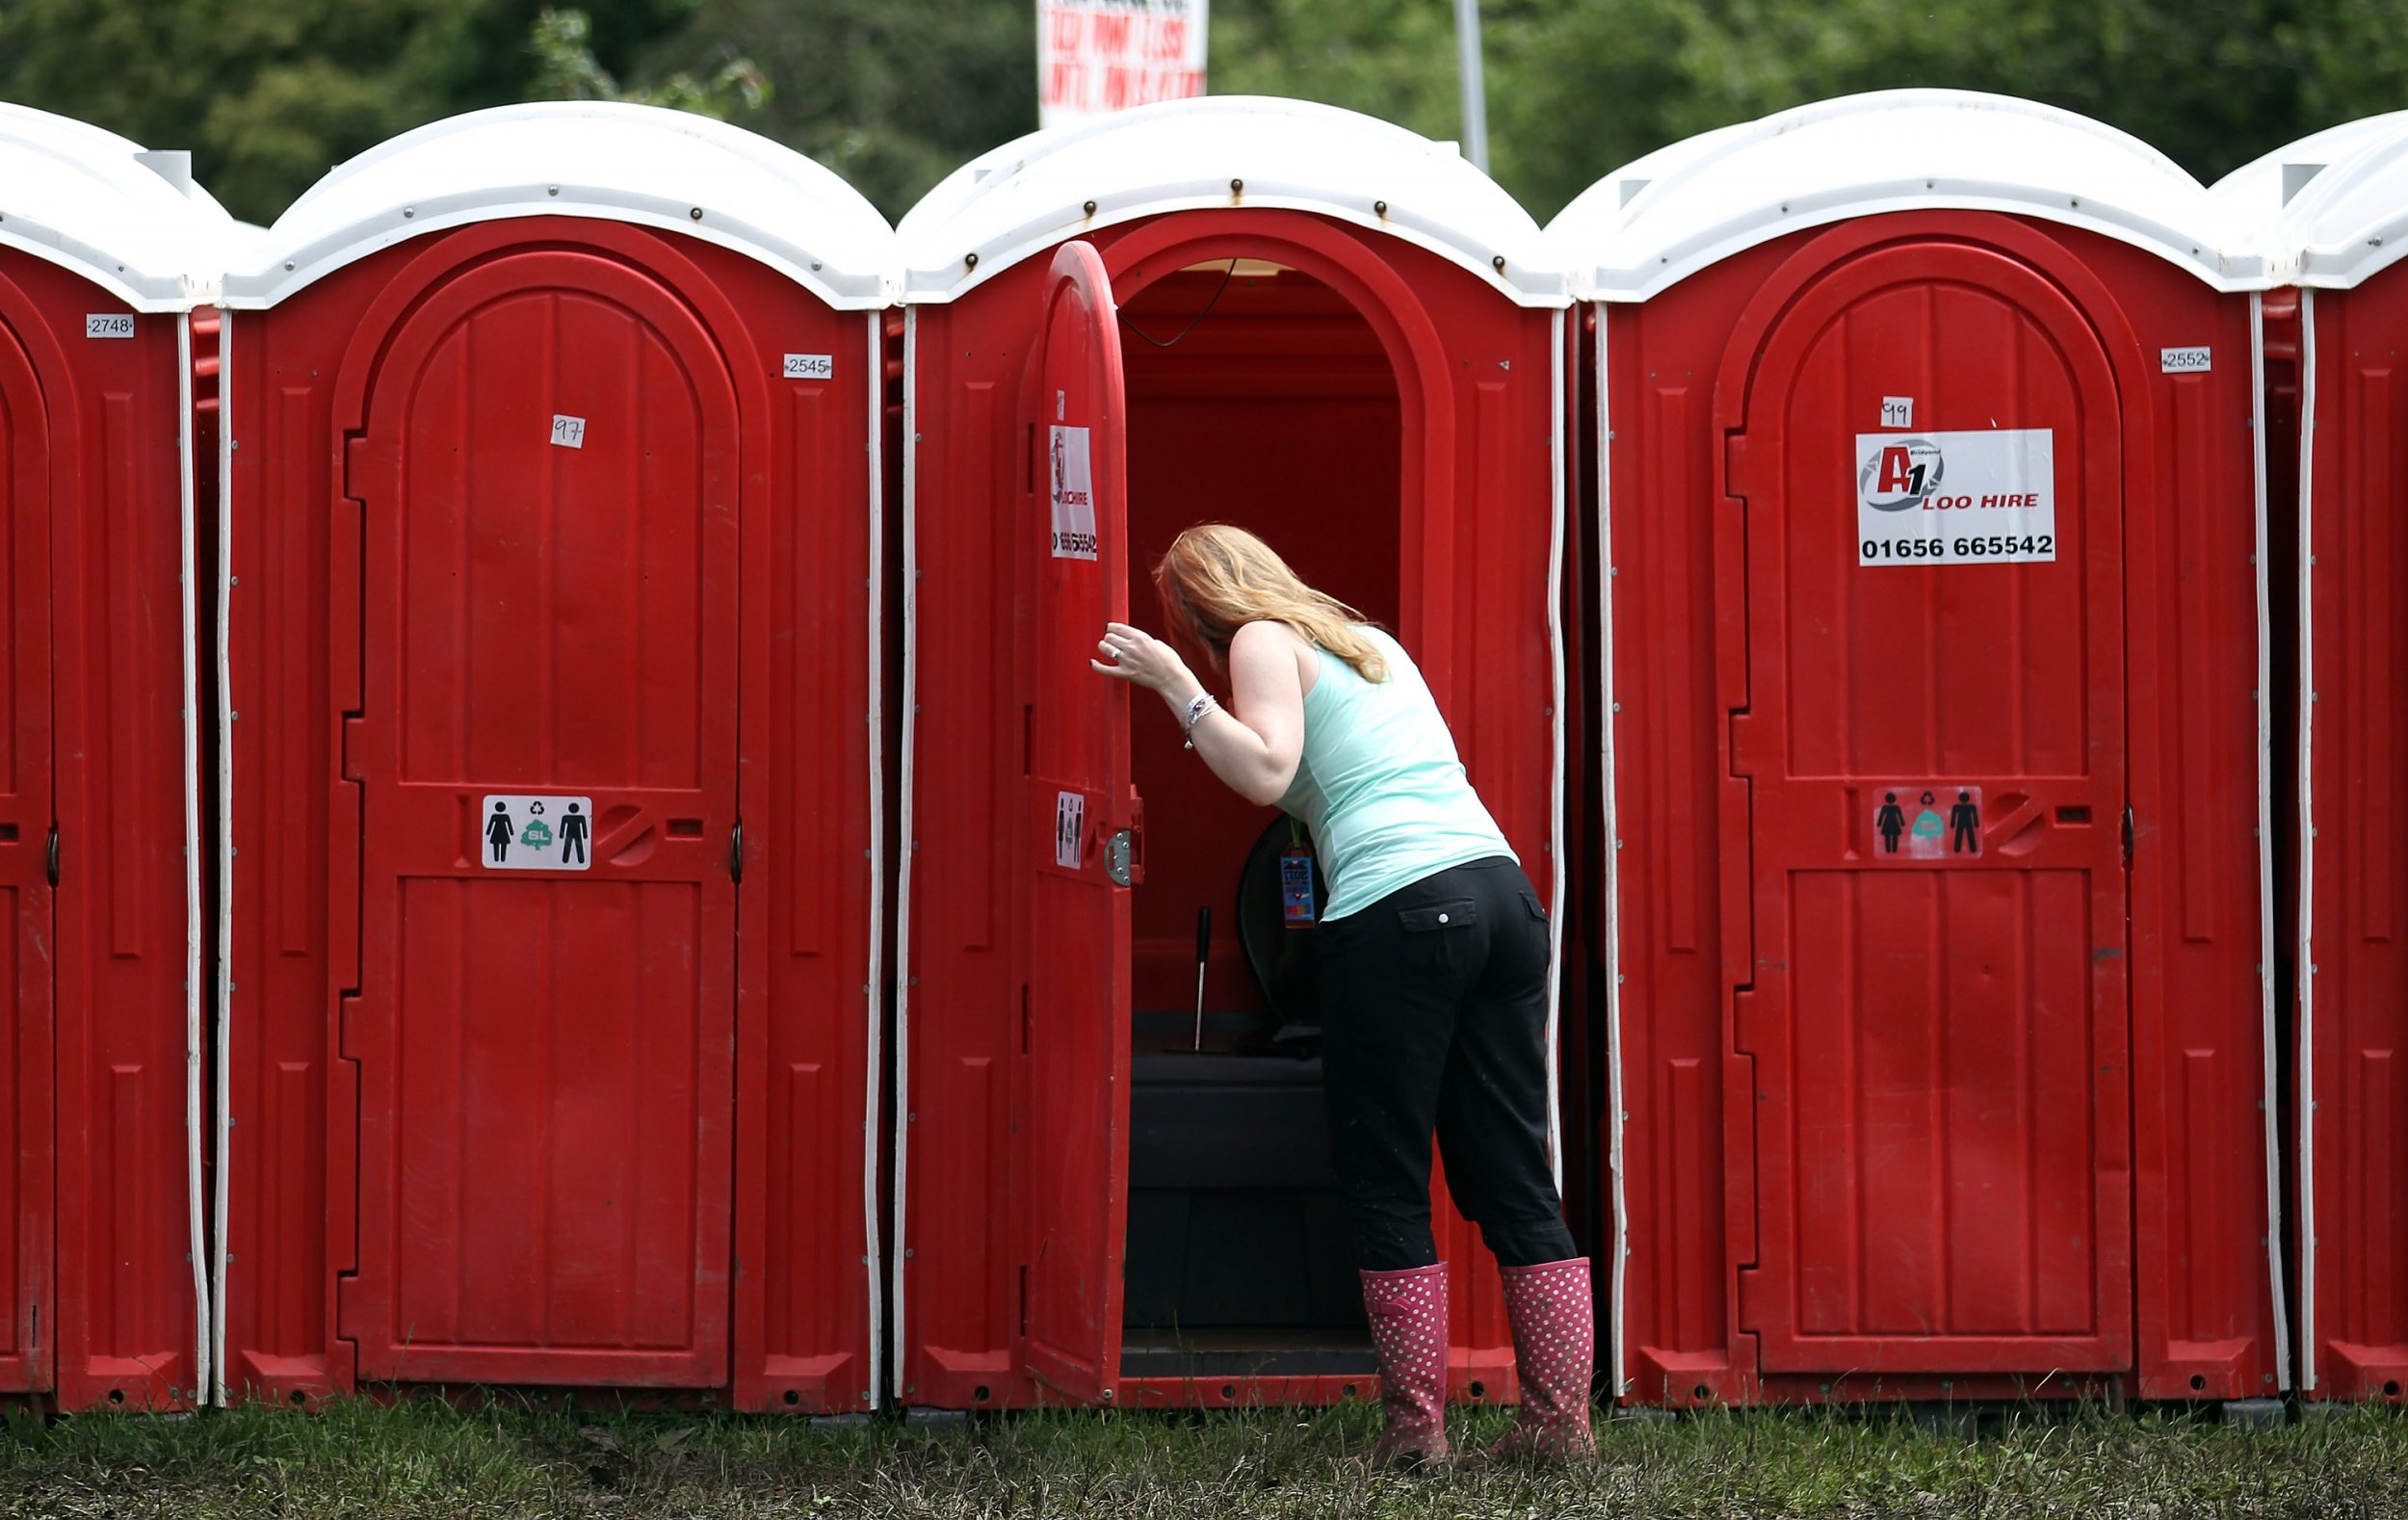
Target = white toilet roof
(1031,195)
(670,170)
(2255,190)
(1712,196)
(2351,221)
(80,197)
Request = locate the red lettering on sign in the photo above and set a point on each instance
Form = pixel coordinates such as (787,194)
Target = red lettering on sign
(1111,34)
(1063,83)
(1895,475)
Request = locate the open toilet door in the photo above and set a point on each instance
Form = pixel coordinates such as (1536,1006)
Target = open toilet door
(1080,826)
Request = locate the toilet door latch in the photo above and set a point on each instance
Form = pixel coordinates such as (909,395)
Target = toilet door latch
(1118,851)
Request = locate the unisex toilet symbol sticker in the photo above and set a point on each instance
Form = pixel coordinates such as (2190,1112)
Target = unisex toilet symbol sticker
(1925,822)
(523,832)
(1069,828)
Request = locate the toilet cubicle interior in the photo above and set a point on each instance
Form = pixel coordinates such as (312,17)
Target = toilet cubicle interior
(1277,411)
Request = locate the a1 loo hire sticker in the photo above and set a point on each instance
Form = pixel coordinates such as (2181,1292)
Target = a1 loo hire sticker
(1956,498)
(1074,495)
(1920,822)
(535,833)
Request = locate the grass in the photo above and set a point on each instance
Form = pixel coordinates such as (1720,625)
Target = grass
(424,1458)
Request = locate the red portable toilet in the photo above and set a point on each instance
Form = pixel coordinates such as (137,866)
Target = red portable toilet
(104,250)
(2339,242)
(1114,1187)
(1941,1030)
(550,1043)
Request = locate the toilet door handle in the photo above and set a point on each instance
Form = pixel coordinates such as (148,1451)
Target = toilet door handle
(50,856)
(736,852)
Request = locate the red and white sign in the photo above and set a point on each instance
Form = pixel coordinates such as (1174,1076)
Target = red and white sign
(1982,497)
(1094,56)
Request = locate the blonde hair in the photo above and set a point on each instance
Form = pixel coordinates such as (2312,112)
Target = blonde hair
(1215,579)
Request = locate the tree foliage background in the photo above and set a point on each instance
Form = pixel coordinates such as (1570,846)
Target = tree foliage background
(893,93)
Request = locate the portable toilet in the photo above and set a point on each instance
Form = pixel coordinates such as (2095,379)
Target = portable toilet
(550,1036)
(1941,1057)
(2338,241)
(1112,1187)
(104,250)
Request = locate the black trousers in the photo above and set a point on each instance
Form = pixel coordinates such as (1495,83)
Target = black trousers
(1434,1004)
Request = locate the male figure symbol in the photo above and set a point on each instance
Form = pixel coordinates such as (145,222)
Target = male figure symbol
(573,835)
(1963,820)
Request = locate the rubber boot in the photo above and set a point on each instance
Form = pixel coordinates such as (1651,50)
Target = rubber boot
(1408,1312)
(1554,1353)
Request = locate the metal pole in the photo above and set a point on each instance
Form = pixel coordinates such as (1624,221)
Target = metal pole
(1475,92)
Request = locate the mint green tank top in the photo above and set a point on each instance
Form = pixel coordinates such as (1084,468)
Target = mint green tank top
(1379,784)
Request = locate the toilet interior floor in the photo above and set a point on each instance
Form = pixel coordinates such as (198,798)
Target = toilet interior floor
(1278,412)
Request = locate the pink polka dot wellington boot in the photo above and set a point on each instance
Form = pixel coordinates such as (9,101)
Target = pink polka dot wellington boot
(1555,1351)
(1409,1316)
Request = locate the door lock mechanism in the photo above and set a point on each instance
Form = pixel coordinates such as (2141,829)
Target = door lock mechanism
(1118,853)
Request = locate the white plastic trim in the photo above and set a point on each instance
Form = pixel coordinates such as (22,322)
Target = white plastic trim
(2306,969)
(224,970)
(906,847)
(872,993)
(195,1046)
(2268,1092)
(1030,195)
(1558,874)
(1607,721)
(1886,152)
(633,164)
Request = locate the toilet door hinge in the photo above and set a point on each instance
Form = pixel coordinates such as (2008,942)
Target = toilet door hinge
(1119,851)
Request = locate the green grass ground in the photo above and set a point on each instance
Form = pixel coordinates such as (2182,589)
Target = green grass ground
(432,1459)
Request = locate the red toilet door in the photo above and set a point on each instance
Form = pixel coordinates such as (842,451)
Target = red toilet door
(1078,820)
(1934,1043)
(27,1202)
(548,488)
